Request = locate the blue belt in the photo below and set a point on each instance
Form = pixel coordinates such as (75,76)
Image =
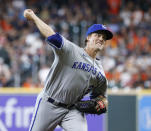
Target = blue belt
(59,103)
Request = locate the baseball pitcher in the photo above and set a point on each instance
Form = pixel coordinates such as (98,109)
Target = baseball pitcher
(74,73)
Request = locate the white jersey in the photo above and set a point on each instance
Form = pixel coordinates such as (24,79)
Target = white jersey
(73,74)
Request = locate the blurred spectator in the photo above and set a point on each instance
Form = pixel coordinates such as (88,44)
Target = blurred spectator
(137,15)
(114,6)
(5,73)
(42,74)
(33,43)
(126,13)
(4,54)
(28,83)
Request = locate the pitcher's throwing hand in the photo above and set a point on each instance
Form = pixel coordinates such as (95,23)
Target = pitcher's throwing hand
(29,14)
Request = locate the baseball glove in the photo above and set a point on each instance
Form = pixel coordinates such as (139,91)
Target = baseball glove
(93,106)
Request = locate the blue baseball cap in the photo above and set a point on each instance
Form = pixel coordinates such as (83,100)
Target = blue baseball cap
(99,27)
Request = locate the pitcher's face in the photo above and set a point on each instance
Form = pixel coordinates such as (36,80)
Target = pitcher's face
(96,40)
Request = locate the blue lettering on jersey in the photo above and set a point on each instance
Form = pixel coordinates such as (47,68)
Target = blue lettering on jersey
(79,66)
(94,71)
(74,65)
(91,68)
(99,76)
(88,68)
(83,66)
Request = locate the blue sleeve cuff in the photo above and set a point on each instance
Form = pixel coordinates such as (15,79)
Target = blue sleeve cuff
(55,41)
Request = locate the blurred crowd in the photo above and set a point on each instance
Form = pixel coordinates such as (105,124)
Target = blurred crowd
(25,58)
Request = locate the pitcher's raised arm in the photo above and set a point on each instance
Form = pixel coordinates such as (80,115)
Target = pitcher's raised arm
(44,29)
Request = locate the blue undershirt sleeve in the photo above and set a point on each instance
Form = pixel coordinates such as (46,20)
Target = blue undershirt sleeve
(55,41)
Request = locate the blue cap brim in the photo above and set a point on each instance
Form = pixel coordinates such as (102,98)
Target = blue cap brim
(109,34)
